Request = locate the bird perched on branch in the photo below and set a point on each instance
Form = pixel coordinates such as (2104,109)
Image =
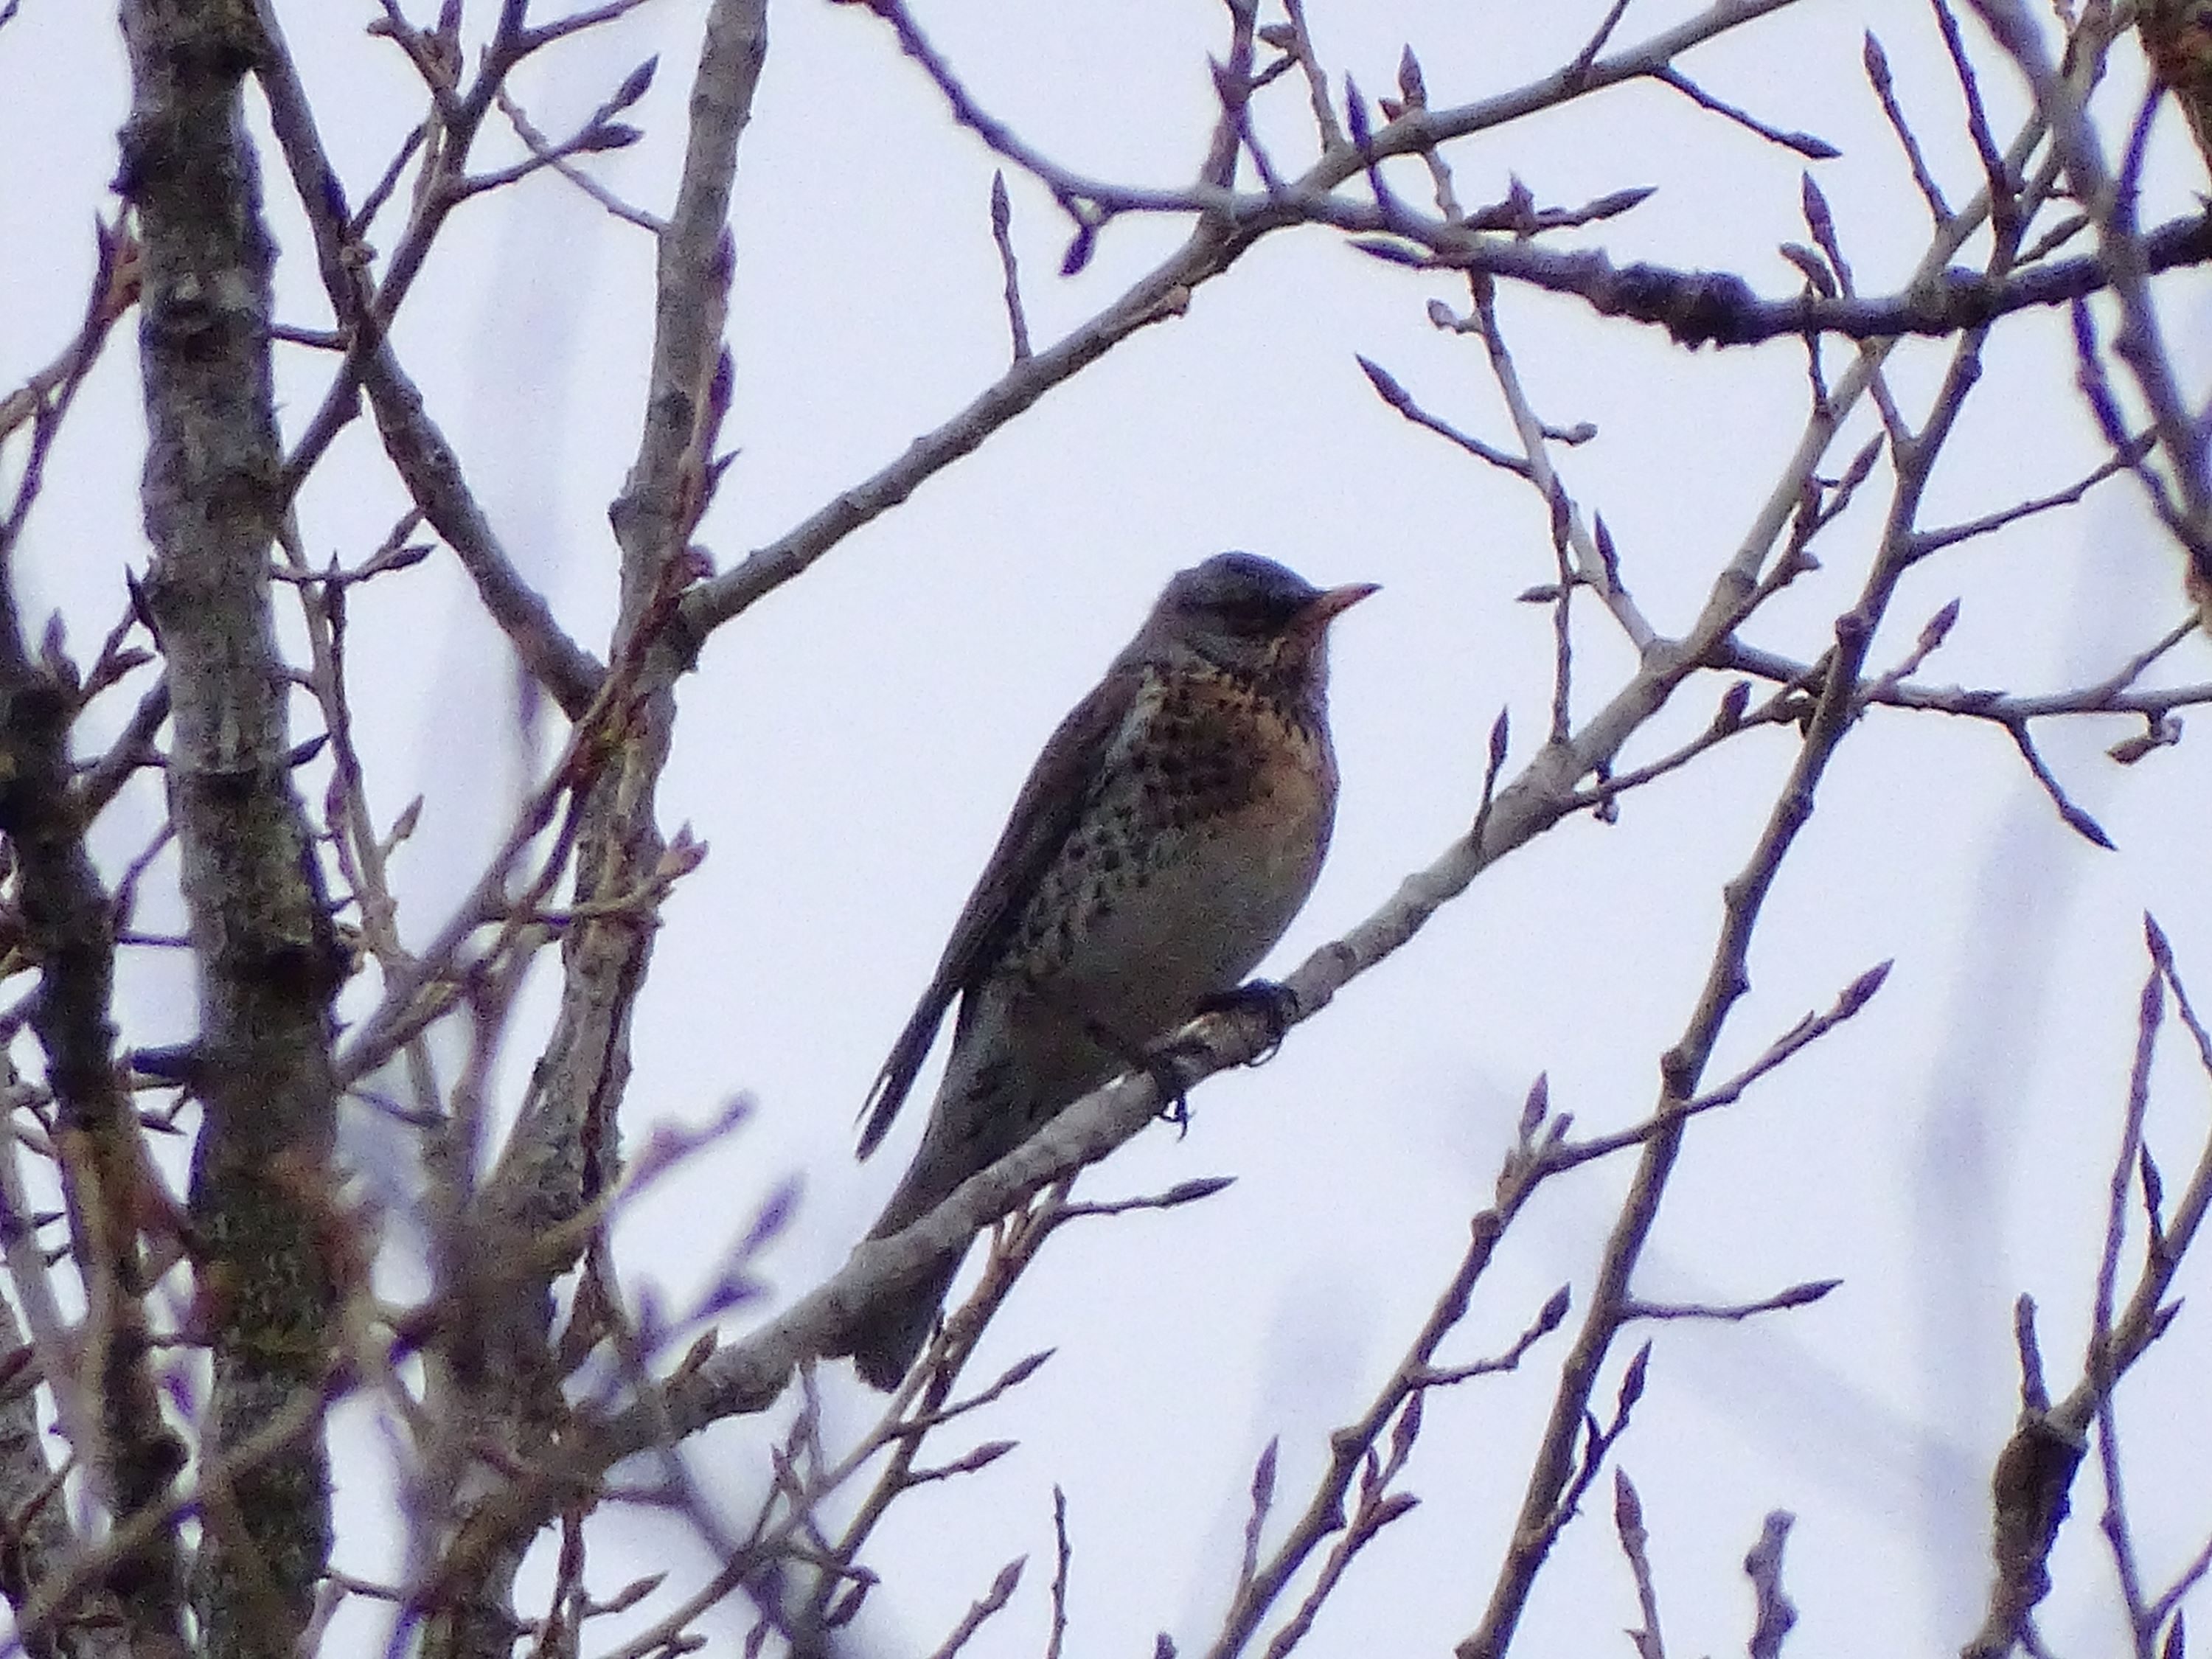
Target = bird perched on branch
(2177,38)
(1164,839)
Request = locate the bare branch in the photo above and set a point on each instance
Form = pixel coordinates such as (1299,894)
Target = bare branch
(1798,1296)
(1628,1527)
(1002,219)
(1929,541)
(1165,292)
(557,157)
(44,399)
(417,449)
(1063,1558)
(1387,388)
(1775,1613)
(2074,817)
(1301,47)
(1803,143)
(992,1601)
(1876,62)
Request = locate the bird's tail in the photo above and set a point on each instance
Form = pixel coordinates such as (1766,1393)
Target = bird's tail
(976,1121)
(885,1340)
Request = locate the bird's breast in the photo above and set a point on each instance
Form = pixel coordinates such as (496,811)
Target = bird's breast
(1200,839)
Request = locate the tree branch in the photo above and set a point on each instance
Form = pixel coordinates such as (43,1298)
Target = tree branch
(268,959)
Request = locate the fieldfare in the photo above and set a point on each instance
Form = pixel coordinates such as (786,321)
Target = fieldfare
(1166,837)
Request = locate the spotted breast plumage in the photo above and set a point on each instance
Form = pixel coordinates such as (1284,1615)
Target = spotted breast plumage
(1169,831)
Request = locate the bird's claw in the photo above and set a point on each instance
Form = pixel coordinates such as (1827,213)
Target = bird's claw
(1174,1092)
(1275,1003)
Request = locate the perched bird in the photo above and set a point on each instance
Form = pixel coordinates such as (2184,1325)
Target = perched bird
(1167,835)
(2177,38)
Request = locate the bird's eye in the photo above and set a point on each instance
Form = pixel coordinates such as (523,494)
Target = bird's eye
(1252,614)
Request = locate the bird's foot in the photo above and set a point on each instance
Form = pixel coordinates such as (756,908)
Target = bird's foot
(1160,1065)
(1275,1003)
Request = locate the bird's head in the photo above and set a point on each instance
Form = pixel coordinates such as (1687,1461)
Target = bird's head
(1247,615)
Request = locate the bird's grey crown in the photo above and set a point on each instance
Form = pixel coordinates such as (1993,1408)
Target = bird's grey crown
(1236,593)
(1230,612)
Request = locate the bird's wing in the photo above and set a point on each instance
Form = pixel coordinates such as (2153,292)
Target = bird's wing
(1045,813)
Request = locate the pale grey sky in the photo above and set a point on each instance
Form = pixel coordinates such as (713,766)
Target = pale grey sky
(849,748)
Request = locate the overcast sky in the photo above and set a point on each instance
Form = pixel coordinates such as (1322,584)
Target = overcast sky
(849,747)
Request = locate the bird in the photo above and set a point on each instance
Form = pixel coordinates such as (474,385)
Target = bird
(1173,825)
(2177,38)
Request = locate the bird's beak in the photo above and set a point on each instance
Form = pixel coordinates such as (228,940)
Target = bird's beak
(1333,603)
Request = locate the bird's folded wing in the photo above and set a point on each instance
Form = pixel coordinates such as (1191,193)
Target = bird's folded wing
(1045,814)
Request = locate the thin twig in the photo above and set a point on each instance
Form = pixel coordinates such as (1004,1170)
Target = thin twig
(1063,1559)
(1803,143)
(1628,1527)
(1876,61)
(1391,392)
(554,156)
(1732,1313)
(1002,219)
(1930,541)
